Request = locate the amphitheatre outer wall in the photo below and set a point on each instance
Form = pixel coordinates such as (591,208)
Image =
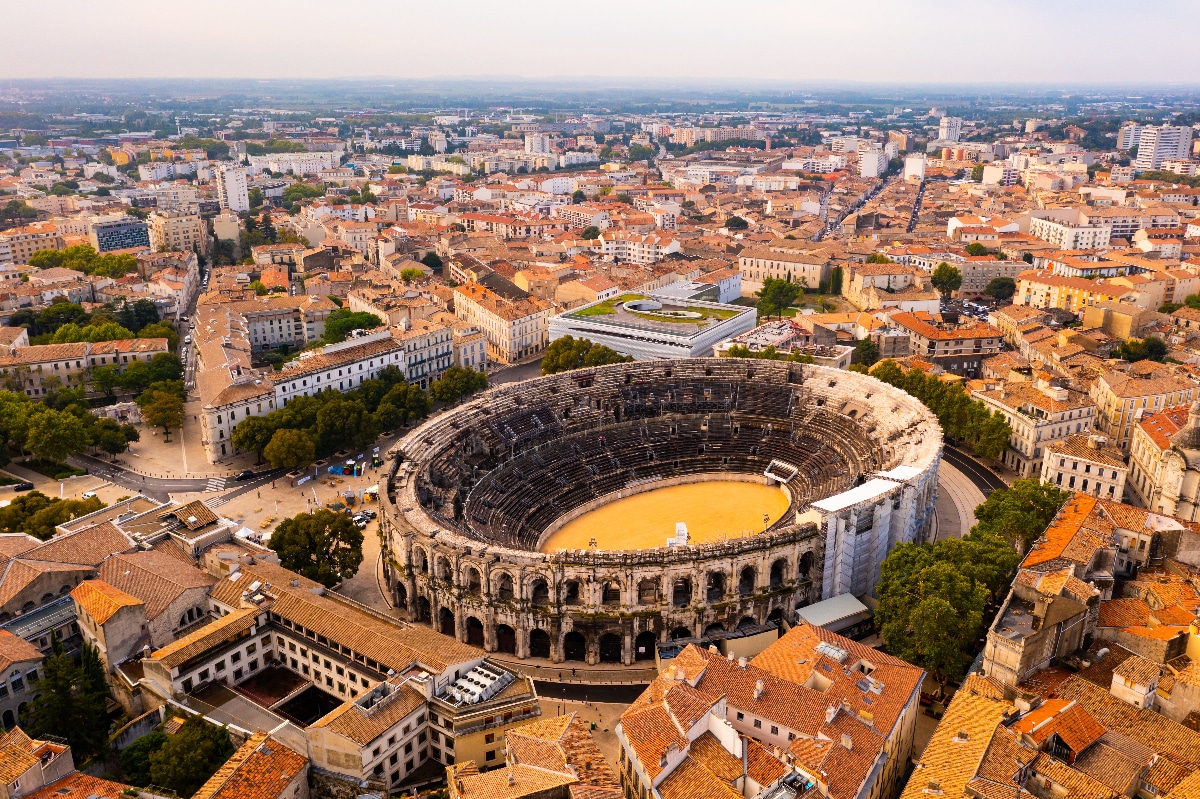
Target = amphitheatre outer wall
(471,493)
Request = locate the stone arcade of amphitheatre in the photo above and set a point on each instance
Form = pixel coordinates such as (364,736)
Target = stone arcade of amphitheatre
(473,494)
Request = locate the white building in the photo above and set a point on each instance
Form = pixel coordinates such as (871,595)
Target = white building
(537,142)
(1128,136)
(1086,464)
(872,163)
(1158,144)
(1038,415)
(914,167)
(950,129)
(232,189)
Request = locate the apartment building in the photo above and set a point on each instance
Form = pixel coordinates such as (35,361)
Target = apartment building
(950,129)
(1087,464)
(636,248)
(428,350)
(1164,468)
(1039,415)
(118,233)
(38,369)
(1071,234)
(18,243)
(177,231)
(276,320)
(958,347)
(759,263)
(1156,144)
(581,217)
(515,329)
(233,191)
(1044,290)
(978,271)
(337,367)
(1123,398)
(783,723)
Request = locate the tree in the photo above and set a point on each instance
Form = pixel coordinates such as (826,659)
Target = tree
(946,279)
(69,704)
(343,422)
(161,330)
(1001,288)
(339,323)
(432,260)
(1140,349)
(135,758)
(977,173)
(188,758)
(1021,513)
(866,352)
(456,383)
(578,196)
(976,249)
(835,280)
(408,400)
(290,449)
(411,273)
(108,435)
(736,223)
(567,353)
(878,258)
(163,410)
(253,434)
(165,367)
(260,288)
(590,232)
(322,546)
(56,435)
(776,295)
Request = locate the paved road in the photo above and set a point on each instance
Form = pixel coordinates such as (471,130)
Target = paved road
(588,693)
(984,480)
(160,487)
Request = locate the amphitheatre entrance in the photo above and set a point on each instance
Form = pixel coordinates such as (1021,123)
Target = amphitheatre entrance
(713,510)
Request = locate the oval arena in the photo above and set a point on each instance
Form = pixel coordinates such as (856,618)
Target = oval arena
(473,494)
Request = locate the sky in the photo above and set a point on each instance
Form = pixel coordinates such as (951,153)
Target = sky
(1057,42)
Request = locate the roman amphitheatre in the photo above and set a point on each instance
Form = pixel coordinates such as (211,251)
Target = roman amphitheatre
(540,519)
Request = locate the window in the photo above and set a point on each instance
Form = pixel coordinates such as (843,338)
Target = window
(741,716)
(236,657)
(489,756)
(394,758)
(490,738)
(758,724)
(774,730)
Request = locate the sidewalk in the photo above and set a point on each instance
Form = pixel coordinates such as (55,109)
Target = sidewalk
(957,500)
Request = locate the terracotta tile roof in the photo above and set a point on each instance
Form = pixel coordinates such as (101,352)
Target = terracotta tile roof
(1066,719)
(691,780)
(1138,671)
(14,761)
(352,722)
(261,769)
(1078,784)
(153,577)
(951,760)
(525,781)
(15,544)
(183,649)
(100,600)
(89,546)
(1061,538)
(563,744)
(81,786)
(1123,612)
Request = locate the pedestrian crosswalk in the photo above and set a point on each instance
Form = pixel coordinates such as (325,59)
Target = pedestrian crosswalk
(215,484)
(217,502)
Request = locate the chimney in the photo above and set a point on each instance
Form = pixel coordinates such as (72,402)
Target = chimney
(847,741)
(758,690)
(830,713)
(742,662)
(713,649)
(512,780)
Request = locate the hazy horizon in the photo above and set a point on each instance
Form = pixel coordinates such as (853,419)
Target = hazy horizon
(1071,43)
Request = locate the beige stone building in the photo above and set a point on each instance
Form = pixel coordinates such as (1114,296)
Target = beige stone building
(514,329)
(177,231)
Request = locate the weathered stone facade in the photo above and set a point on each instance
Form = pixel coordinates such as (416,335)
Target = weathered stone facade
(472,492)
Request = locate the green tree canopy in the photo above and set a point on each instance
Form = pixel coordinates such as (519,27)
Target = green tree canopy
(163,410)
(590,232)
(866,352)
(736,223)
(290,449)
(72,701)
(37,514)
(411,273)
(252,434)
(56,435)
(456,383)
(1001,288)
(188,758)
(1140,349)
(878,258)
(339,323)
(135,758)
(324,546)
(946,279)
(776,296)
(1018,515)
(567,353)
(976,249)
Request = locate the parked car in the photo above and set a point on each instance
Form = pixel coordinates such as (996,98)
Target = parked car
(25,486)
(246,475)
(87,494)
(370,514)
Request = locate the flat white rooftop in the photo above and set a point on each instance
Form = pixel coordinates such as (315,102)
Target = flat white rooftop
(867,492)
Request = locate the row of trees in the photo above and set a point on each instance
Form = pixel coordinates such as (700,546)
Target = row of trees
(56,428)
(965,421)
(933,598)
(37,514)
(568,353)
(61,312)
(84,258)
(767,354)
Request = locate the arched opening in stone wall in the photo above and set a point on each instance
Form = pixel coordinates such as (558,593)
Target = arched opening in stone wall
(680,632)
(474,583)
(715,627)
(424,610)
(401,595)
(506,639)
(775,615)
(610,648)
(443,569)
(574,646)
(746,581)
(539,644)
(716,587)
(571,592)
(746,621)
(804,572)
(474,631)
(9,721)
(611,595)
(420,561)
(446,622)
(644,646)
(648,592)
(681,594)
(778,570)
(504,589)
(540,594)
